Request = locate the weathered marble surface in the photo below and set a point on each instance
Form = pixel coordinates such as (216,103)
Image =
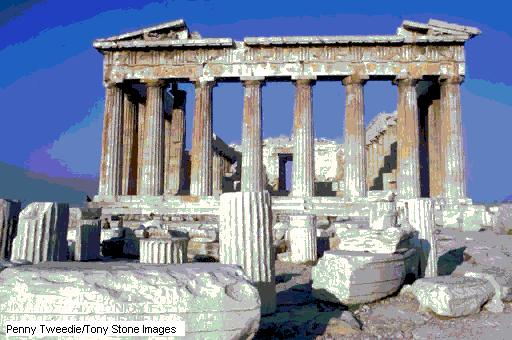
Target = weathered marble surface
(164,250)
(245,239)
(302,238)
(351,277)
(385,241)
(42,231)
(452,296)
(215,301)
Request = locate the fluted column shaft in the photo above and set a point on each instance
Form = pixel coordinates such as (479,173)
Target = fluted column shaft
(354,144)
(111,147)
(451,139)
(303,174)
(129,176)
(141,138)
(408,140)
(153,154)
(176,147)
(252,150)
(201,153)
(435,158)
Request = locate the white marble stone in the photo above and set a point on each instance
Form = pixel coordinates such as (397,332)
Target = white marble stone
(452,296)
(302,237)
(42,231)
(245,239)
(215,301)
(164,250)
(350,277)
(420,214)
(385,241)
(383,215)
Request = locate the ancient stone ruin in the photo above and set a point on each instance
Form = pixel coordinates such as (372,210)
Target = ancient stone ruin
(383,215)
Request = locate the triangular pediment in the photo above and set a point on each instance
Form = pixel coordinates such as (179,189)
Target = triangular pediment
(436,27)
(172,30)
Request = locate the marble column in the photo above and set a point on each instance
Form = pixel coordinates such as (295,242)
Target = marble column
(111,147)
(354,144)
(217,174)
(252,149)
(303,173)
(201,153)
(129,175)
(451,139)
(153,154)
(408,140)
(140,141)
(436,166)
(176,147)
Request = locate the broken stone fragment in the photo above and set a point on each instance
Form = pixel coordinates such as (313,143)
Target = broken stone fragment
(42,231)
(386,241)
(351,277)
(452,296)
(215,301)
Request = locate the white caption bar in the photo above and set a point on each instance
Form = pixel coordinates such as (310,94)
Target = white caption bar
(95,329)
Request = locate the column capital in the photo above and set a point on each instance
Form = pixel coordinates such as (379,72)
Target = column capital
(355,79)
(154,82)
(110,84)
(405,81)
(204,82)
(304,81)
(451,79)
(253,81)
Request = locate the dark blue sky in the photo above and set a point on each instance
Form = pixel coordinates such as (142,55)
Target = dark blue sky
(52,95)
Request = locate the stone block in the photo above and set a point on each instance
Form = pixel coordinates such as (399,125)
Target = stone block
(87,242)
(500,278)
(280,230)
(302,236)
(383,215)
(215,301)
(164,250)
(42,231)
(351,277)
(451,295)
(245,239)
(9,211)
(381,196)
(386,241)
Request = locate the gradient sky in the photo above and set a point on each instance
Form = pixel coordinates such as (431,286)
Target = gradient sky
(51,91)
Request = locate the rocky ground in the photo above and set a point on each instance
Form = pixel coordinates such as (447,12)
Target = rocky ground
(300,316)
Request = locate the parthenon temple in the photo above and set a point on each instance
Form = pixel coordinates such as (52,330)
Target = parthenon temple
(380,213)
(418,152)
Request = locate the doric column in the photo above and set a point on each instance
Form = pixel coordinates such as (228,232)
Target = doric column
(252,151)
(153,154)
(451,139)
(303,174)
(217,173)
(435,158)
(111,147)
(129,175)
(354,144)
(201,153)
(176,147)
(408,140)
(140,141)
